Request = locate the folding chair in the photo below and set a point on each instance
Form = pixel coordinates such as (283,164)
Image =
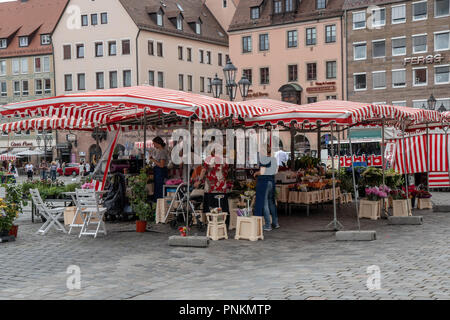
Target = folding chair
(50,214)
(88,204)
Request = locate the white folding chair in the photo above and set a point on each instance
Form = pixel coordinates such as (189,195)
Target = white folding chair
(92,213)
(52,215)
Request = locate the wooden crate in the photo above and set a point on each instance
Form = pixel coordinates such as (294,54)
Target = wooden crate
(400,208)
(369,209)
(217,231)
(69,214)
(216,218)
(162,205)
(249,228)
(424,203)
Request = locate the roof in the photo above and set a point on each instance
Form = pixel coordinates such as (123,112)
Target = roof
(357,4)
(29,18)
(305,12)
(140,11)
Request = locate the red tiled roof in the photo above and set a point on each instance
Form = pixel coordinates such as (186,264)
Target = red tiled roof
(30,18)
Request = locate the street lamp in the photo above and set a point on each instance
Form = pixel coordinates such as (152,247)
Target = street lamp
(431,103)
(244,86)
(229,72)
(47,139)
(216,85)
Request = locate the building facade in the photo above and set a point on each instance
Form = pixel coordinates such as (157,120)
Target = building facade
(398,52)
(107,44)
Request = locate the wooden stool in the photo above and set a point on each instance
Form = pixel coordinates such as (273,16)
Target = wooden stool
(249,228)
(217,229)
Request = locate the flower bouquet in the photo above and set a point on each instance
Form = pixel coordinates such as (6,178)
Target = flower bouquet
(243,212)
(88,185)
(377,193)
(423,194)
(183,231)
(398,194)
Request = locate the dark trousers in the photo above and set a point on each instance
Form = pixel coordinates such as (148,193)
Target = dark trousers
(160,175)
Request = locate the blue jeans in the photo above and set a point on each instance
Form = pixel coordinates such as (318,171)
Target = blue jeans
(265,200)
(44,175)
(53,175)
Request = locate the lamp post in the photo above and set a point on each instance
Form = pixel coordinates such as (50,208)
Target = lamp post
(231,86)
(431,103)
(47,139)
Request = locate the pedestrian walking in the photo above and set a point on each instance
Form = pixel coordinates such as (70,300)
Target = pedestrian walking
(53,168)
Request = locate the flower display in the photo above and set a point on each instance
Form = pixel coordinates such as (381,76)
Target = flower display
(377,193)
(398,194)
(182,231)
(423,194)
(88,185)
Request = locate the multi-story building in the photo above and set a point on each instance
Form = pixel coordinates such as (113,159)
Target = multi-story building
(106,44)
(398,52)
(26,57)
(290,50)
(223,11)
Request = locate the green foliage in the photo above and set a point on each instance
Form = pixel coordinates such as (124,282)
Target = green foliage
(10,207)
(138,198)
(48,190)
(304,162)
(393,179)
(372,177)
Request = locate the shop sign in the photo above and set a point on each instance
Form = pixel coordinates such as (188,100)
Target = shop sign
(430,59)
(21,144)
(328,88)
(252,94)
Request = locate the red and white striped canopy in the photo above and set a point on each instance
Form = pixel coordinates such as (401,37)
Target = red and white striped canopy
(47,123)
(340,112)
(8,157)
(115,105)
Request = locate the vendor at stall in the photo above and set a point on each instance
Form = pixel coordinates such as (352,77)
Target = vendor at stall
(159,158)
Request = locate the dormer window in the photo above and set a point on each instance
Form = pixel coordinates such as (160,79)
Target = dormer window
(3,43)
(198,27)
(321,4)
(180,22)
(45,39)
(289,5)
(23,41)
(277,7)
(159,18)
(254,13)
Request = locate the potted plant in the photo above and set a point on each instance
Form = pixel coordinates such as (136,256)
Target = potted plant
(400,203)
(424,200)
(370,207)
(10,208)
(138,199)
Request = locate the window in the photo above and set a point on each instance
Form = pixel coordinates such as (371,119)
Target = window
(37,65)
(81,81)
(3,43)
(94,19)
(219,59)
(126,47)
(311,69)
(189,79)
(254,13)
(180,53)
(127,78)
(46,39)
(292,39)
(246,44)
(151,49)
(99,80)
(277,7)
(24,65)
(359,20)
(113,82)
(292,72)
(202,84)
(198,28)
(419,103)
(80,51)
(112,48)
(398,14)
(181,82)
(399,103)
(419,43)
(159,18)
(379,17)
(160,79)
(311,99)
(331,69)
(310,36)
(151,78)
(442,41)
(379,48)
(399,46)
(331,97)
(419,10)
(379,80)
(68,82)
(47,86)
(3,89)
(46,64)
(321,4)
(399,78)
(159,49)
(442,74)
(441,8)
(420,76)
(16,66)
(360,81)
(84,20)
(224,3)
(264,42)
(359,51)
(330,33)
(67,52)
(16,85)
(208,57)
(189,55)
(2,67)
(264,75)
(248,74)
(23,41)
(104,17)
(201,56)
(99,49)
(179,23)
(209,85)
(289,6)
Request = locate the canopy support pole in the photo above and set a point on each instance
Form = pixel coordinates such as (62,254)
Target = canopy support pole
(292,147)
(354,178)
(319,156)
(427,158)
(404,165)
(383,200)
(338,151)
(97,147)
(144,160)
(188,203)
(335,223)
(448,155)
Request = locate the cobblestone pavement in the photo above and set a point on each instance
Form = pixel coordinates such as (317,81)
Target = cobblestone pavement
(298,261)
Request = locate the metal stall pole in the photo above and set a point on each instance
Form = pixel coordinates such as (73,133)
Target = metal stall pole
(339,151)
(188,178)
(448,155)
(144,161)
(354,178)
(335,222)
(292,147)
(383,164)
(404,165)
(427,158)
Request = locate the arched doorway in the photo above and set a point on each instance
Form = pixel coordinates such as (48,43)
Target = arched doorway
(301,145)
(94,153)
(291,92)
(119,151)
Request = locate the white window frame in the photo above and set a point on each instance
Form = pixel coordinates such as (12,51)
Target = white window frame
(354,47)
(15,92)
(49,90)
(159,18)
(393,85)
(354,82)
(434,39)
(46,39)
(43,64)
(3,93)
(399,103)
(392,47)
(412,44)
(414,78)
(422,101)
(21,66)
(95,49)
(381,103)
(440,66)
(23,44)
(385,16)
(412,13)
(27,92)
(392,16)
(12,66)
(365,20)
(3,43)
(385,80)
(436,16)
(6,66)
(41,91)
(379,40)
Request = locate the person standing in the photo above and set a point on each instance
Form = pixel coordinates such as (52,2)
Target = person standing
(29,170)
(43,167)
(53,168)
(159,158)
(63,167)
(265,191)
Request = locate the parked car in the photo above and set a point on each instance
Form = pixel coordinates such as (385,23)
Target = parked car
(72,169)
